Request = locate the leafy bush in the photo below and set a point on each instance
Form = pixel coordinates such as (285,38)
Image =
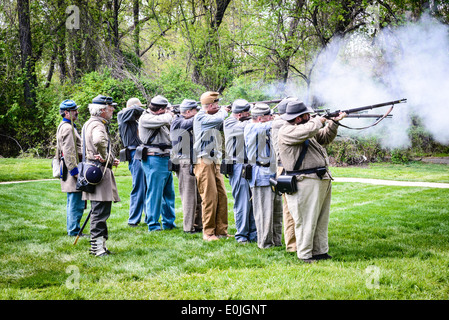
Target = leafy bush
(351,151)
(248,90)
(400,156)
(35,132)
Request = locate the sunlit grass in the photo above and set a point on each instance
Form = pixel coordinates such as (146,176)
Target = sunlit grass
(386,242)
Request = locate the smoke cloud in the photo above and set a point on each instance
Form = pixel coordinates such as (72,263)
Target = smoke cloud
(410,62)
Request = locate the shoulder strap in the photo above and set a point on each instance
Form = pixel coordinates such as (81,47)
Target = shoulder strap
(302,155)
(153,136)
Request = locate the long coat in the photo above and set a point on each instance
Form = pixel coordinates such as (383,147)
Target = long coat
(97,142)
(66,137)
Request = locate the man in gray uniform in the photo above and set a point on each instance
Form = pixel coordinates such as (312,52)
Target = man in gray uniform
(181,133)
(154,131)
(127,120)
(236,158)
(267,205)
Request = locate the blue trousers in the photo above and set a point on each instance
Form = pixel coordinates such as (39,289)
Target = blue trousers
(75,209)
(160,194)
(137,196)
(243,208)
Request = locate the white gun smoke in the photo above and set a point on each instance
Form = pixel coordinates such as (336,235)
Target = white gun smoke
(411,61)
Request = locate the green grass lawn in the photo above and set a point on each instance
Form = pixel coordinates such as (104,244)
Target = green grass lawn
(387,242)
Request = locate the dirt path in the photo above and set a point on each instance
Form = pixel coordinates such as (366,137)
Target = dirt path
(361,180)
(394,183)
(438,160)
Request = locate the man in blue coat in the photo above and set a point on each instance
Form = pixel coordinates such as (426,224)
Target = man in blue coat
(127,120)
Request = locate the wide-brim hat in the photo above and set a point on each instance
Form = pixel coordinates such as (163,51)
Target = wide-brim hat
(103,100)
(134,102)
(295,109)
(282,106)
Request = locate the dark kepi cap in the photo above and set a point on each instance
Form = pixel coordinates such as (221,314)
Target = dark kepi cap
(93,175)
(100,99)
(240,105)
(295,109)
(68,105)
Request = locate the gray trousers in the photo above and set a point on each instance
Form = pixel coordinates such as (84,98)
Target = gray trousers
(267,207)
(310,208)
(99,213)
(190,199)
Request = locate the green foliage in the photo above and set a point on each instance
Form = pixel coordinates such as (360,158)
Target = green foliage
(175,85)
(400,156)
(185,48)
(36,130)
(347,150)
(246,89)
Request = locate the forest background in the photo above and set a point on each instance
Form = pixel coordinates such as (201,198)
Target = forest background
(329,53)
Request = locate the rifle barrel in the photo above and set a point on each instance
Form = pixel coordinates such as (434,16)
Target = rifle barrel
(375,106)
(349,111)
(367,115)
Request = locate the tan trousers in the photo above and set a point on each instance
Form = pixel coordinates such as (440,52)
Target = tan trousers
(289,223)
(190,198)
(310,208)
(214,200)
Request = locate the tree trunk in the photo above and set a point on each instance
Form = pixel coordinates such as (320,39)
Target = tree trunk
(62,56)
(116,7)
(136,27)
(28,63)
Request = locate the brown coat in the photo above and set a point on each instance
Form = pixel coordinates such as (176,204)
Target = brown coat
(66,137)
(291,138)
(97,139)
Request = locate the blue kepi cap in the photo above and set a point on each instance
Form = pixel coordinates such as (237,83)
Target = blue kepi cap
(68,105)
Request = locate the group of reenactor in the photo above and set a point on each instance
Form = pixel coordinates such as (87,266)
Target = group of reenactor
(160,140)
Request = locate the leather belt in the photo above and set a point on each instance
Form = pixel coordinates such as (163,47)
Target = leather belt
(157,154)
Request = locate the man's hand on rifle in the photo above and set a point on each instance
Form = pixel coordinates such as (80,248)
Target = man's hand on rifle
(340,116)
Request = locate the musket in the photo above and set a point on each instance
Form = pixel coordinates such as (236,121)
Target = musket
(333,114)
(354,113)
(254,102)
(82,228)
